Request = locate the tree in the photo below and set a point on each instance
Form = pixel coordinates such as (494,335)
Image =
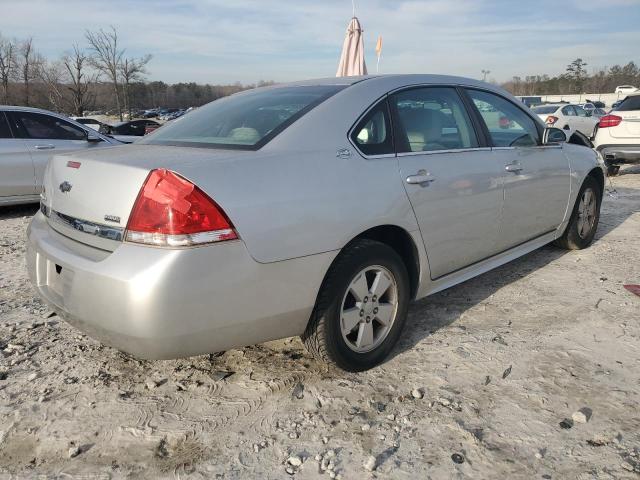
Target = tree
(52,76)
(79,79)
(107,58)
(132,70)
(29,64)
(577,73)
(8,66)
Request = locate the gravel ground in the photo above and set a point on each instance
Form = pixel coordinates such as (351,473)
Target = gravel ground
(529,371)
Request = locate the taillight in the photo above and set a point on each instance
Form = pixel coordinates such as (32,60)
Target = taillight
(170,211)
(610,121)
(551,120)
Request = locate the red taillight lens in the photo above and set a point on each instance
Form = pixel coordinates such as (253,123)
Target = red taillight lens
(171,211)
(610,121)
(551,120)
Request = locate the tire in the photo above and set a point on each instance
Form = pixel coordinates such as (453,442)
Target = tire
(578,235)
(362,260)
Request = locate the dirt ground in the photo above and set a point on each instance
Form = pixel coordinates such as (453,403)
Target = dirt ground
(529,371)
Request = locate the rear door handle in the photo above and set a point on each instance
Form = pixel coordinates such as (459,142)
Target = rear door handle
(421,178)
(513,167)
(47,146)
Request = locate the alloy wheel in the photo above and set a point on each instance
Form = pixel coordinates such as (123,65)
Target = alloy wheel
(586,213)
(369,309)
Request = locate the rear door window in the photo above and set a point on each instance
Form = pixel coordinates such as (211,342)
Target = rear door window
(372,135)
(5,131)
(431,119)
(568,111)
(580,111)
(40,126)
(508,125)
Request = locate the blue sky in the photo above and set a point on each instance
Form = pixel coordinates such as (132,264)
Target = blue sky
(223,41)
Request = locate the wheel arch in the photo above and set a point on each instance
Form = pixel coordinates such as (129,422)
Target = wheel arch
(401,241)
(598,176)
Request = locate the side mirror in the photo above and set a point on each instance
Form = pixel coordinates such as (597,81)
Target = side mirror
(589,113)
(93,137)
(553,136)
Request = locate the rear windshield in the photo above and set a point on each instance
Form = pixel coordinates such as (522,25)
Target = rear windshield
(544,110)
(245,121)
(629,103)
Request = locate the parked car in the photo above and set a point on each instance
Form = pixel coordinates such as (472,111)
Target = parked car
(318,209)
(28,137)
(618,135)
(615,105)
(569,118)
(588,107)
(626,89)
(597,103)
(129,131)
(530,101)
(89,122)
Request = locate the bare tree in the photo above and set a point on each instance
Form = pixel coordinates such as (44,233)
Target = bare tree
(76,64)
(132,70)
(52,76)
(8,66)
(29,63)
(107,58)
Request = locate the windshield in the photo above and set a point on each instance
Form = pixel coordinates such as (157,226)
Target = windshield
(243,121)
(544,110)
(629,104)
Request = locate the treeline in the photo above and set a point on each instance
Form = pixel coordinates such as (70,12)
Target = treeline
(97,76)
(576,80)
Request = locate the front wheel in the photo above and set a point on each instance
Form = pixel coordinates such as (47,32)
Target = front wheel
(584,218)
(361,308)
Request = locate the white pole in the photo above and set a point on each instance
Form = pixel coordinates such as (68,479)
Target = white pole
(353,4)
(378,65)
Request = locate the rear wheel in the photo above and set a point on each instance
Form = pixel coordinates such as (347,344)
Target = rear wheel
(584,218)
(361,308)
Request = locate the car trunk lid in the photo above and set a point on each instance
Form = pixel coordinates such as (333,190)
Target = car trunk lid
(89,196)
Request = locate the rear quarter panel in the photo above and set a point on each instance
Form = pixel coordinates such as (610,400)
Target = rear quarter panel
(297,203)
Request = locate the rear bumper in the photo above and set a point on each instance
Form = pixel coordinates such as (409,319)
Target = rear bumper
(157,303)
(616,154)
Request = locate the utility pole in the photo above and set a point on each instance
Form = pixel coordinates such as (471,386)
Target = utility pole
(484,74)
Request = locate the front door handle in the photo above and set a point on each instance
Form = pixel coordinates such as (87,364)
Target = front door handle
(47,146)
(513,167)
(421,178)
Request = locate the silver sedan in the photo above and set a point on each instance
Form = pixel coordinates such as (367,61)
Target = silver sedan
(28,137)
(318,208)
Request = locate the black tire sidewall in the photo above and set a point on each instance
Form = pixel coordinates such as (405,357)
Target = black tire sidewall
(375,254)
(572,234)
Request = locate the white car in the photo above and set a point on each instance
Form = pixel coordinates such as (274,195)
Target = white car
(567,117)
(618,134)
(28,137)
(626,89)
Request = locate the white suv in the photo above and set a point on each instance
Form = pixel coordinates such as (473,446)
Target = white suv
(626,89)
(618,134)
